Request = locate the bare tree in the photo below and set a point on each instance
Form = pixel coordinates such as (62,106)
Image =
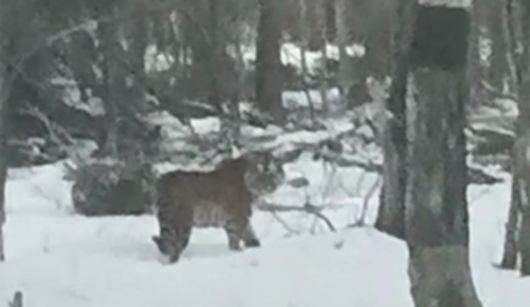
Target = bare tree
(9,42)
(391,215)
(268,61)
(3,151)
(425,203)
(517,16)
(435,202)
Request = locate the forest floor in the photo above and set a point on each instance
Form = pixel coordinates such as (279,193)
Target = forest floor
(59,259)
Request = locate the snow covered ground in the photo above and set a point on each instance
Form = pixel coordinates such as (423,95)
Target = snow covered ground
(58,259)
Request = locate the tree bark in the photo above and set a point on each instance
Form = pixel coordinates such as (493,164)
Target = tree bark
(509,258)
(3,174)
(5,89)
(522,192)
(268,60)
(343,38)
(391,214)
(436,207)
(517,16)
(435,200)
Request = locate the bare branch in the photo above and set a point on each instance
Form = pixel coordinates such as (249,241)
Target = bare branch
(361,221)
(86,25)
(491,89)
(307,208)
(57,134)
(290,230)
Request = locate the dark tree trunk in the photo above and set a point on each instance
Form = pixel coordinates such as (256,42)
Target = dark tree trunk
(522,191)
(509,257)
(7,77)
(214,96)
(517,15)
(436,212)
(3,162)
(391,215)
(268,61)
(498,69)
(6,81)
(436,205)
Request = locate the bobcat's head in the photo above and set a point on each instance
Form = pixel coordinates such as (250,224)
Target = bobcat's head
(264,174)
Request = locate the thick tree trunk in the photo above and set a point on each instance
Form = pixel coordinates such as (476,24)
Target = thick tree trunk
(5,88)
(435,204)
(391,215)
(517,16)
(522,176)
(268,62)
(3,175)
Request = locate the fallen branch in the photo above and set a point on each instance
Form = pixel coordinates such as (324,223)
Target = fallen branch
(475,174)
(307,208)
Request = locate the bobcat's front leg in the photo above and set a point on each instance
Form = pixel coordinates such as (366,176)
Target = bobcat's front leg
(241,231)
(179,242)
(249,236)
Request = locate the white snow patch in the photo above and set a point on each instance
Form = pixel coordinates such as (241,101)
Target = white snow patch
(449,3)
(59,259)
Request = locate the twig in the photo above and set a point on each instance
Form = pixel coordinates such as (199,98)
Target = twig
(361,221)
(86,25)
(282,222)
(491,89)
(56,132)
(307,208)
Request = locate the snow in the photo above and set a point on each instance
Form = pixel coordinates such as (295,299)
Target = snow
(291,55)
(59,259)
(448,3)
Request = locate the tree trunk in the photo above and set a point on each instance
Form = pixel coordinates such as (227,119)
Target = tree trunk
(509,258)
(214,95)
(436,205)
(498,67)
(522,191)
(517,16)
(391,215)
(3,175)
(343,38)
(5,88)
(268,61)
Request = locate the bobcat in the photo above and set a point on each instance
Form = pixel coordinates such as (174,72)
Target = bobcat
(221,198)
